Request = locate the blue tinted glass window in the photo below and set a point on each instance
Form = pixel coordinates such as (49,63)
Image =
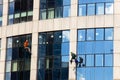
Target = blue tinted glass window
(1,10)
(90,34)
(66,2)
(8,76)
(99,47)
(82,10)
(108,46)
(9,54)
(89,48)
(66,11)
(108,73)
(65,49)
(81,47)
(58,37)
(11,8)
(99,34)
(90,60)
(88,74)
(99,73)
(65,36)
(109,60)
(100,8)
(65,61)
(81,35)
(81,73)
(94,1)
(109,8)
(99,60)
(83,64)
(90,9)
(109,34)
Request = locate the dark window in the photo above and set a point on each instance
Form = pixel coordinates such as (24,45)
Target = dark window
(20,11)
(18,58)
(53,55)
(50,9)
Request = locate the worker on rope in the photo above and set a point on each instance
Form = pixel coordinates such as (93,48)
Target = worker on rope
(26,44)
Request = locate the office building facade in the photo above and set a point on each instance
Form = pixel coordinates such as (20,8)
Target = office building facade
(53,29)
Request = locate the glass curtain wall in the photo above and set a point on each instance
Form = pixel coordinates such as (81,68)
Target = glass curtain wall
(95,47)
(50,9)
(20,11)
(18,58)
(95,7)
(53,55)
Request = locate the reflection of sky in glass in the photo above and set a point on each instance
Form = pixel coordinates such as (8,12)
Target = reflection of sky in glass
(65,36)
(109,8)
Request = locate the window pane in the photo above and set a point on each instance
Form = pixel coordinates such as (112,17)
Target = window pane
(1,10)
(58,37)
(109,60)
(11,8)
(90,9)
(57,49)
(81,35)
(89,47)
(14,66)
(57,62)
(50,13)
(108,46)
(81,48)
(58,12)
(9,54)
(66,11)
(8,66)
(99,73)
(99,47)
(81,74)
(9,43)
(82,10)
(8,76)
(65,36)
(94,1)
(99,34)
(43,14)
(42,38)
(109,8)
(66,2)
(56,74)
(65,61)
(109,34)
(89,60)
(100,8)
(41,74)
(99,60)
(108,73)
(41,63)
(65,49)
(90,34)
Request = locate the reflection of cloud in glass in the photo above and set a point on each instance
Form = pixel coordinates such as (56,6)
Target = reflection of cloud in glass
(97,34)
(109,38)
(66,35)
(109,8)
